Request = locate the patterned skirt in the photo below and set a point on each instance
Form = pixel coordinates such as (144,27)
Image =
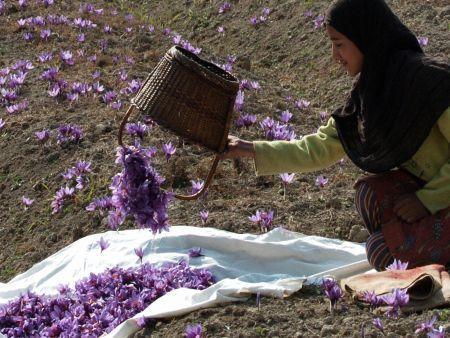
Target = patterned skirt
(424,242)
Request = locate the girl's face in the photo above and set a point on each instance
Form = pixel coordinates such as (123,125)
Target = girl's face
(345,52)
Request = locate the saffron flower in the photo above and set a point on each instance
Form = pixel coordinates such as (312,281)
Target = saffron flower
(285,116)
(221,30)
(195,252)
(27,202)
(194,331)
(423,41)
(321,181)
(45,34)
(140,253)
(196,186)
(43,135)
(67,57)
(245,120)
(302,104)
(378,324)
(332,290)
(239,102)
(323,116)
(372,298)
(395,301)
(225,7)
(263,219)
(103,244)
(138,129)
(69,133)
(319,21)
(58,201)
(286,179)
(397,265)
(45,56)
(169,150)
(204,214)
(427,326)
(437,333)
(101,204)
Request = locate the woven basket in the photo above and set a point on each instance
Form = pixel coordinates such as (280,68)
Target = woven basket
(191,97)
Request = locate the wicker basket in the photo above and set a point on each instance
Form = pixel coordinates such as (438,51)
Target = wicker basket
(191,97)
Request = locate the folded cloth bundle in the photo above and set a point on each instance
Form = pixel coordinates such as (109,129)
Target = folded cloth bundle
(427,286)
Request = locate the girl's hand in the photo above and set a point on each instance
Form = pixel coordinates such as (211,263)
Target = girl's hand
(237,148)
(409,208)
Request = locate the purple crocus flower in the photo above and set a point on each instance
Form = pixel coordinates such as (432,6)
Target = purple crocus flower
(103,244)
(117,105)
(423,41)
(2,124)
(372,298)
(27,202)
(321,181)
(54,91)
(42,135)
(427,326)
(263,219)
(28,36)
(69,133)
(59,198)
(140,253)
(109,96)
(395,301)
(22,4)
(323,116)
(225,7)
(302,104)
(45,56)
(319,21)
(287,178)
(67,57)
(204,214)
(378,324)
(138,129)
(194,331)
(254,20)
(245,120)
(437,333)
(332,291)
(169,150)
(239,103)
(195,252)
(397,265)
(107,29)
(81,37)
(266,11)
(285,116)
(196,186)
(45,34)
(221,30)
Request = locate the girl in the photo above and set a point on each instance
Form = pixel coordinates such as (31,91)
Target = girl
(395,124)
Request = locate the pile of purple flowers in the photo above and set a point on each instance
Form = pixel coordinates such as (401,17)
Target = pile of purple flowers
(98,303)
(136,191)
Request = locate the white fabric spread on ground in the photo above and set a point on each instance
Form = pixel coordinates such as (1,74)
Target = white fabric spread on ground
(275,264)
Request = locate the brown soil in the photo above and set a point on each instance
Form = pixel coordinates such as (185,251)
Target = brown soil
(288,57)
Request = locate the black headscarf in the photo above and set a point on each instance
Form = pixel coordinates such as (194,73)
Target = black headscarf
(399,94)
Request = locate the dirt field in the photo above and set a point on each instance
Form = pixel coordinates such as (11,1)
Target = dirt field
(286,54)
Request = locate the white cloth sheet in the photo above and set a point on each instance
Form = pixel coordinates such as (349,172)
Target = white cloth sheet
(276,264)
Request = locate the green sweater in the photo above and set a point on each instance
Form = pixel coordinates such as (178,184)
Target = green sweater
(322,149)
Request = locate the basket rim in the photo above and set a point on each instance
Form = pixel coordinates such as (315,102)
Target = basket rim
(186,57)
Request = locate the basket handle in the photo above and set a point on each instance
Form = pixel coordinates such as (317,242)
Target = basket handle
(209,177)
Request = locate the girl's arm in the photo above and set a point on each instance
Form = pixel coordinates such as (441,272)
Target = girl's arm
(312,152)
